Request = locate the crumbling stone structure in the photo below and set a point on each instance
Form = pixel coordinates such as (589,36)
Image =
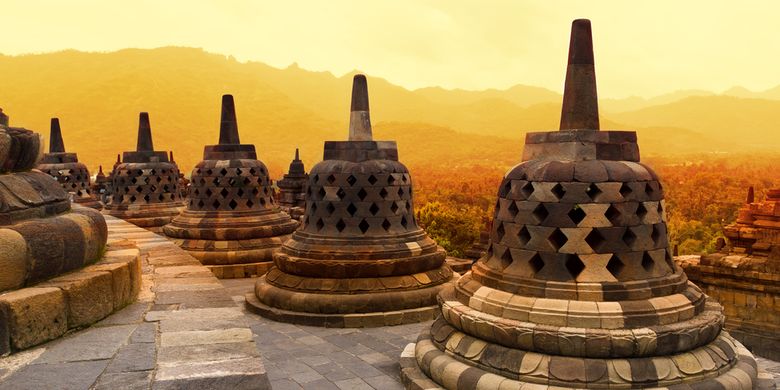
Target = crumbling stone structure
(292,189)
(47,282)
(744,276)
(359,258)
(231,223)
(145,185)
(578,288)
(66,168)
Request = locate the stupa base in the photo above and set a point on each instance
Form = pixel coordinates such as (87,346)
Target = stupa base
(425,366)
(238,271)
(91,203)
(353,320)
(459,265)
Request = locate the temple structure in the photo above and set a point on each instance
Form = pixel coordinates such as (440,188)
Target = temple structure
(359,259)
(145,185)
(578,288)
(744,276)
(231,223)
(292,196)
(66,168)
(100,185)
(46,285)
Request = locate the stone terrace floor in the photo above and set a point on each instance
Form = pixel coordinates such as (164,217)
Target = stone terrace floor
(184,316)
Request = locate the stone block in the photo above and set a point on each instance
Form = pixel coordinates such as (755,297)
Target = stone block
(89,296)
(35,315)
(13,260)
(121,282)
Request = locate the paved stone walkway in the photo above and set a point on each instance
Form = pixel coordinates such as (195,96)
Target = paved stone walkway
(190,330)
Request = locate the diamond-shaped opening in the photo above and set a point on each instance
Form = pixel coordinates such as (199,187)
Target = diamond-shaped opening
(363,226)
(506,259)
(557,239)
(223,172)
(612,214)
(577,214)
(383,193)
(536,263)
(593,191)
(232,182)
(404,222)
(625,190)
(331,179)
(641,211)
(400,192)
(649,189)
(558,191)
(255,191)
(394,207)
(215,204)
(238,171)
(524,236)
(351,180)
(249,203)
(240,192)
(373,209)
(594,239)
(655,234)
(390,179)
(574,265)
(341,193)
(403,178)
(540,212)
(322,193)
(386,224)
(362,194)
(527,189)
(372,179)
(660,208)
(247,181)
(505,189)
(340,225)
(262,201)
(647,262)
(320,224)
(224,192)
(500,231)
(615,266)
(629,237)
(330,207)
(408,206)
(201,204)
(351,209)
(513,210)
(233,204)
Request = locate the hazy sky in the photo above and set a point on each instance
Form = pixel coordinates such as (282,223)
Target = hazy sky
(642,48)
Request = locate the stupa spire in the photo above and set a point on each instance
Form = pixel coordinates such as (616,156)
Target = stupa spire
(3,118)
(144,134)
(56,144)
(228,126)
(580,102)
(296,154)
(751,196)
(359,118)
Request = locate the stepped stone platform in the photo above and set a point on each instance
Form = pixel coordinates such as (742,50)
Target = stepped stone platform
(184,332)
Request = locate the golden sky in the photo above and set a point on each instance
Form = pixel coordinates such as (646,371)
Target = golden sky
(642,48)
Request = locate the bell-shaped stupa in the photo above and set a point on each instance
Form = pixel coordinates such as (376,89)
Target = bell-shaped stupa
(145,185)
(231,222)
(292,188)
(359,259)
(578,288)
(66,168)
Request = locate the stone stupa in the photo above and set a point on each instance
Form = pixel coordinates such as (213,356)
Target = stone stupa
(292,188)
(359,259)
(231,222)
(578,288)
(66,168)
(145,185)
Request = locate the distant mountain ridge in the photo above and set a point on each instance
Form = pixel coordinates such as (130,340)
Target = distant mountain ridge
(98,97)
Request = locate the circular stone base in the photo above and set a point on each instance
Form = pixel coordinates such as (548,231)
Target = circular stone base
(447,372)
(237,271)
(360,320)
(89,202)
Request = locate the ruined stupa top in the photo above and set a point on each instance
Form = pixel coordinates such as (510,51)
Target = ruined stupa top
(230,146)
(296,166)
(360,146)
(57,153)
(579,138)
(144,151)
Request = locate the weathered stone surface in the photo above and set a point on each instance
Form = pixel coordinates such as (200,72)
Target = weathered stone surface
(35,315)
(89,296)
(13,260)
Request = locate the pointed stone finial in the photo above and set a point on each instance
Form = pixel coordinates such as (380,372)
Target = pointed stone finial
(100,170)
(118,158)
(144,134)
(3,118)
(228,126)
(296,155)
(359,118)
(580,101)
(170,156)
(751,196)
(56,144)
